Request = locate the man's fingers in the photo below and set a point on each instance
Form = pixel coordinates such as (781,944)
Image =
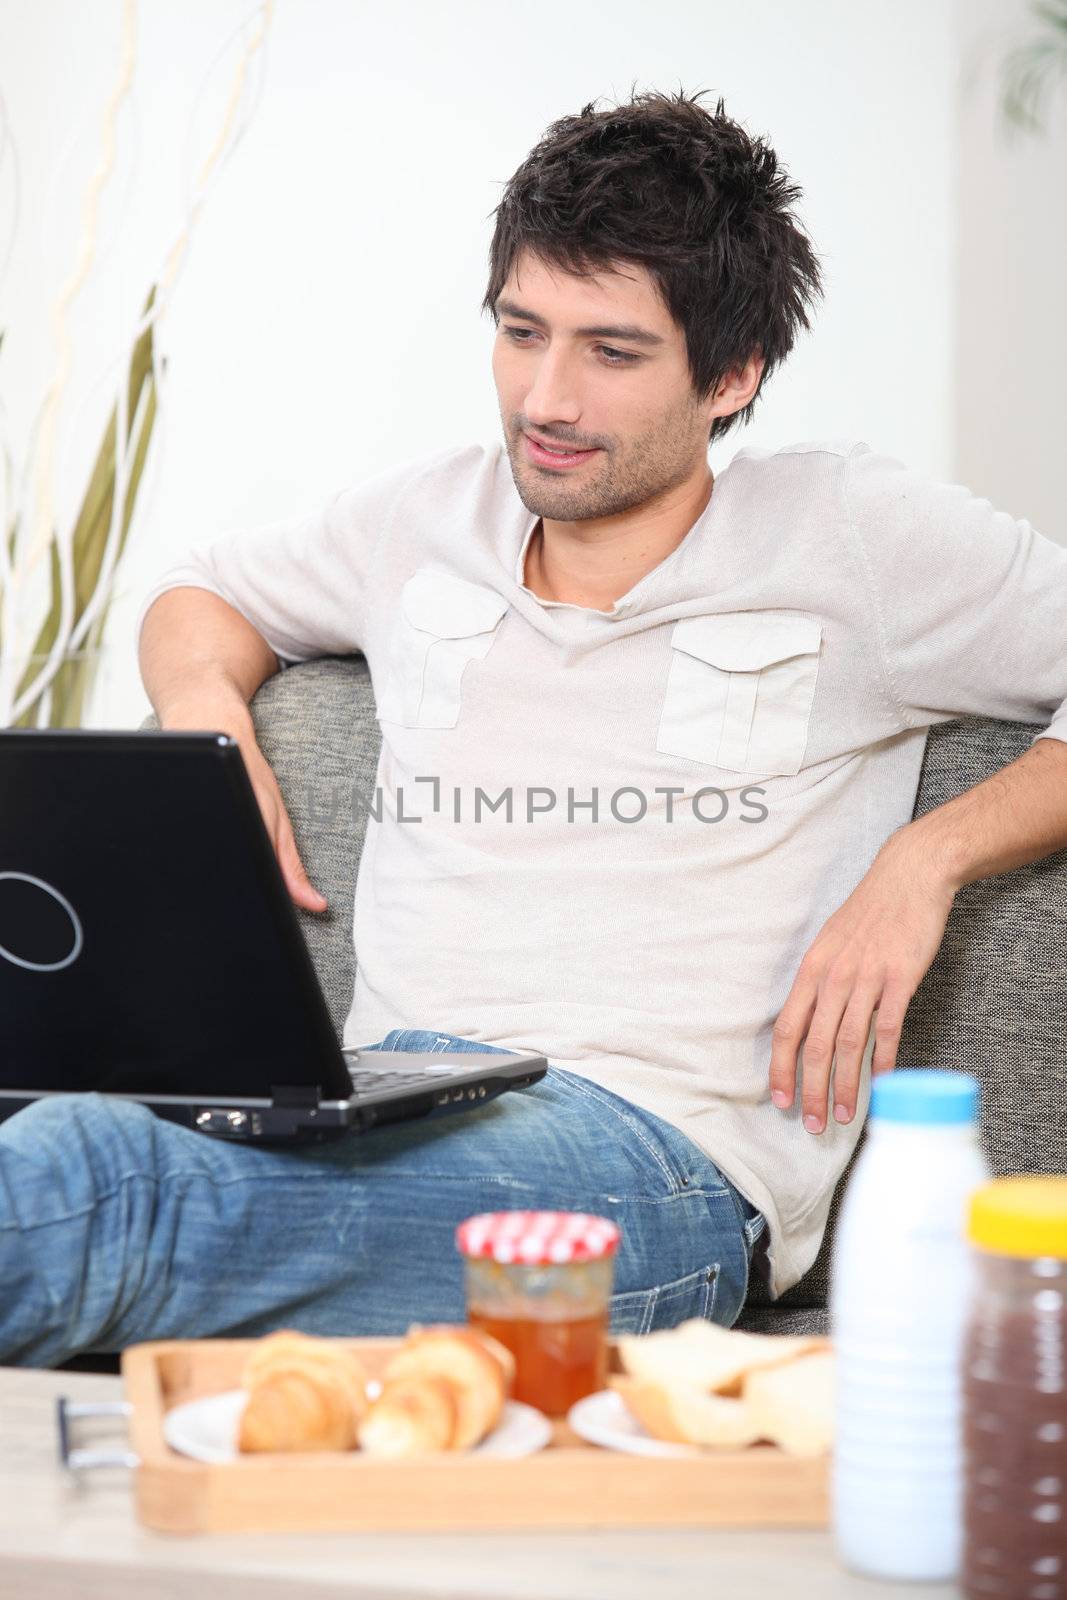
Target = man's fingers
(852,1038)
(888,1026)
(280,831)
(296,878)
(819,1044)
(785,1039)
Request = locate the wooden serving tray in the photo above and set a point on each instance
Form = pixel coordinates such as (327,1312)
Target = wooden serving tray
(569,1484)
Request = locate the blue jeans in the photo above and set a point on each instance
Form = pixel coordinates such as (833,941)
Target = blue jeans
(116,1226)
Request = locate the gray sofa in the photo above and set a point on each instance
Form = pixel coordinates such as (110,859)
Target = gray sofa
(994,1002)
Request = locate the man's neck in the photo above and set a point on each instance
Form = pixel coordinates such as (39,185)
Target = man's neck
(572,563)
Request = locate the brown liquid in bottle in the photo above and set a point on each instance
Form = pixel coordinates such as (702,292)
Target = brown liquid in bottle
(1014,1394)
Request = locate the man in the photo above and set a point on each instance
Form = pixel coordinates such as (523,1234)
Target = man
(661,734)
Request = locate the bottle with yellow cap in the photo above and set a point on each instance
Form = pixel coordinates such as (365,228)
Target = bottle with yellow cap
(1014,1376)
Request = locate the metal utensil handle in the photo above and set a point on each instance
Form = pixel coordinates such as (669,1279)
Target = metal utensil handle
(67,1411)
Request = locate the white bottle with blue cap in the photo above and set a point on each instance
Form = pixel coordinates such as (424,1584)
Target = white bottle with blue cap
(900,1277)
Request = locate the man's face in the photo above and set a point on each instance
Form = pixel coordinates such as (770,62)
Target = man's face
(627,399)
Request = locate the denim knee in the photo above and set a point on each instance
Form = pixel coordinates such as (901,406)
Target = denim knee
(91,1139)
(66,1167)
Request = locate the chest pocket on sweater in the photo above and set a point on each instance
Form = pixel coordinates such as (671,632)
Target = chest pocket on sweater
(740,691)
(445,622)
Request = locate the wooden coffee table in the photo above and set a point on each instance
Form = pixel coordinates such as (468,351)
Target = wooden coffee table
(68,1538)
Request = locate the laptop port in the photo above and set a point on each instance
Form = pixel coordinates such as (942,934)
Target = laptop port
(223,1122)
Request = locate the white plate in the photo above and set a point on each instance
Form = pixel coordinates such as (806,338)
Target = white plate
(207,1429)
(604,1418)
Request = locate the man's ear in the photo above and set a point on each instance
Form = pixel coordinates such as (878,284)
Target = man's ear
(737,388)
(744,381)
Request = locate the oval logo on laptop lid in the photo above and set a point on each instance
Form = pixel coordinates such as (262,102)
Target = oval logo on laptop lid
(39,928)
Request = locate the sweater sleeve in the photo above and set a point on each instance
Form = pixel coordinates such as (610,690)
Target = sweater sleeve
(301,582)
(970,603)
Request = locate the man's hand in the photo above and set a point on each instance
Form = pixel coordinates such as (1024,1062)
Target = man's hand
(280,829)
(229,716)
(868,959)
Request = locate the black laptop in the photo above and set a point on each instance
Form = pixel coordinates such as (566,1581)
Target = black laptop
(149,949)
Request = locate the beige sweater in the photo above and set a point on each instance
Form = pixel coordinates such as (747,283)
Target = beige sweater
(786,659)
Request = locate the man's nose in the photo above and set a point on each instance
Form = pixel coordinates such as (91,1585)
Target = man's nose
(553,394)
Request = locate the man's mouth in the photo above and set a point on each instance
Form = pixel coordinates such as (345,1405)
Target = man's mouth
(554,455)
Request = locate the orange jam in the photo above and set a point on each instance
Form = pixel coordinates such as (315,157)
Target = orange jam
(556,1362)
(540,1282)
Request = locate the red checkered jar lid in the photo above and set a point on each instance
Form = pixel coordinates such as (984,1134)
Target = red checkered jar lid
(537,1238)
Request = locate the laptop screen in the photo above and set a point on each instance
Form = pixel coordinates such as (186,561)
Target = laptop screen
(148,944)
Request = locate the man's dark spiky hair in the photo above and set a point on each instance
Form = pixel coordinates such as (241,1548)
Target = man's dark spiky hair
(691,197)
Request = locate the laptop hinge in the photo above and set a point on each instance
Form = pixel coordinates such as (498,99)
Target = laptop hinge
(300,1094)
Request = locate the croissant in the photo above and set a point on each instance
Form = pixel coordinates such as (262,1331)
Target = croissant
(304,1394)
(410,1416)
(280,1350)
(477,1369)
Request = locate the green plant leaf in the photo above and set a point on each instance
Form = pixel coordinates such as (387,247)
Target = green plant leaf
(1030,69)
(88,561)
(71,681)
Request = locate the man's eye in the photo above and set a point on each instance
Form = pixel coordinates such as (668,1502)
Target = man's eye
(616,358)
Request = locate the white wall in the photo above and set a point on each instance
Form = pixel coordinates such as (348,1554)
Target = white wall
(327,320)
(1011,310)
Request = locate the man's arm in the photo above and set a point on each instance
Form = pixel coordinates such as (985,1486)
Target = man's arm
(970,610)
(302,583)
(201,663)
(236,609)
(196,650)
(1016,816)
(298,585)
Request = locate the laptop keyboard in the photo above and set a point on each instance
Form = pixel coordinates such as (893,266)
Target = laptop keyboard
(369,1080)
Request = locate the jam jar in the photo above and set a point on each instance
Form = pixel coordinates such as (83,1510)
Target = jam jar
(540,1282)
(1014,1393)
